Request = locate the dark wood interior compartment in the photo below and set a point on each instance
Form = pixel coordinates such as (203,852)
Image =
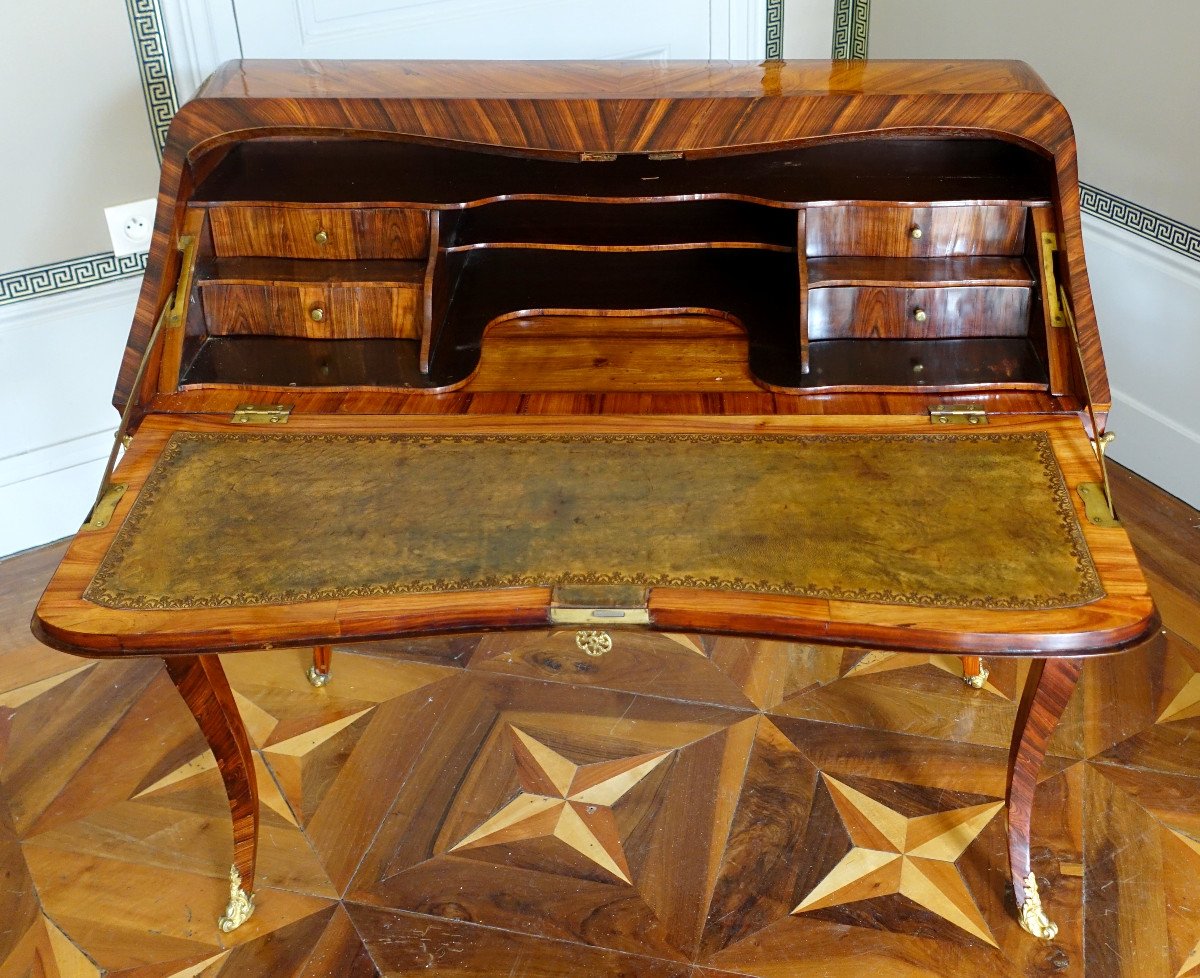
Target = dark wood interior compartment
(377,170)
(319,232)
(288,271)
(915,272)
(900,365)
(942,364)
(757,288)
(277,361)
(916,232)
(606,225)
(880,312)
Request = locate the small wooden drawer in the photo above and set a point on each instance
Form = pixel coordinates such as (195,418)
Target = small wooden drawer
(915,232)
(352,311)
(319,232)
(877,312)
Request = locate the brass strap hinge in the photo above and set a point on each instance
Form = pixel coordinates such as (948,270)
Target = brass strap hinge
(104,508)
(1054,305)
(262,414)
(957,414)
(606,604)
(177,305)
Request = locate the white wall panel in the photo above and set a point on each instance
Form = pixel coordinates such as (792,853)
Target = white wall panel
(537,29)
(58,363)
(1148,305)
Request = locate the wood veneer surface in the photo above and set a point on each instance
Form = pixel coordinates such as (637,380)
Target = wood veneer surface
(116,840)
(1123,615)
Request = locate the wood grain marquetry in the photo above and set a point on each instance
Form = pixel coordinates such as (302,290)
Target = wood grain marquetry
(202,684)
(309,232)
(698,354)
(839,312)
(357,310)
(1047,690)
(915,232)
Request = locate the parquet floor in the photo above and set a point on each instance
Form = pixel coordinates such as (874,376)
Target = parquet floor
(681,806)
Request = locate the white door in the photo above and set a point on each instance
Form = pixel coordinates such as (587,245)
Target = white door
(537,29)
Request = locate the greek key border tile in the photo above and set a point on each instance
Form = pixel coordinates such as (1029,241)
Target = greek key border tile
(1142,221)
(851,29)
(774,30)
(65,276)
(154,67)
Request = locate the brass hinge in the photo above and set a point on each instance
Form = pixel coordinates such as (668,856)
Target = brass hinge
(659,157)
(177,304)
(597,157)
(957,414)
(1054,306)
(262,414)
(1096,506)
(584,604)
(104,508)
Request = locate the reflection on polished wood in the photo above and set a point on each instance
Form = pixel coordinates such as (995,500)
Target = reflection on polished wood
(115,843)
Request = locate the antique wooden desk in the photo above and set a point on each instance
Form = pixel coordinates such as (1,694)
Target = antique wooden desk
(802,351)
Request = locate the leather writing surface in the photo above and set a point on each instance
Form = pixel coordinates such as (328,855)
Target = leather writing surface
(975,520)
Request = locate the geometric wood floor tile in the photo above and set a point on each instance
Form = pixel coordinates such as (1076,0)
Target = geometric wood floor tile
(684,806)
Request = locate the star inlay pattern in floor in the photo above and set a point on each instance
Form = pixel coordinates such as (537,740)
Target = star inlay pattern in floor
(912,857)
(570,802)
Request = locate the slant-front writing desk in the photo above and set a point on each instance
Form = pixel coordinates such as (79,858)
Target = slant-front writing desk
(799,351)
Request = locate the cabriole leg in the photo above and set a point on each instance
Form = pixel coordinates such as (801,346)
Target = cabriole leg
(202,684)
(1047,691)
(318,672)
(975,673)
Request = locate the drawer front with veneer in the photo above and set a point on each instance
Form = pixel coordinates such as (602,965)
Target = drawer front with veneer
(319,232)
(878,312)
(915,232)
(332,312)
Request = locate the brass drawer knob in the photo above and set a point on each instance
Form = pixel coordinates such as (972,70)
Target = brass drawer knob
(920,315)
(915,232)
(593,642)
(321,237)
(317,314)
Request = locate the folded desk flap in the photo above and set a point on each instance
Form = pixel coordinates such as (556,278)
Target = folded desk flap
(880,531)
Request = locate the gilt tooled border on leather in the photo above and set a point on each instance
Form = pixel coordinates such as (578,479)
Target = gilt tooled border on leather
(100,591)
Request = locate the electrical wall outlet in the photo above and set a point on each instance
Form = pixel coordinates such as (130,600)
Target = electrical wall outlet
(130,226)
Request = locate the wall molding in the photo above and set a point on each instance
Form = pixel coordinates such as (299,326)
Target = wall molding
(1145,223)
(851,29)
(65,276)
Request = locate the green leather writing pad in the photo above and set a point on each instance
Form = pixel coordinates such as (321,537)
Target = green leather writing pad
(932,520)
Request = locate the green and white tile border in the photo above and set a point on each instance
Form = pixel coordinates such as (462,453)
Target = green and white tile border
(1162,230)
(154,67)
(851,29)
(851,33)
(774,30)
